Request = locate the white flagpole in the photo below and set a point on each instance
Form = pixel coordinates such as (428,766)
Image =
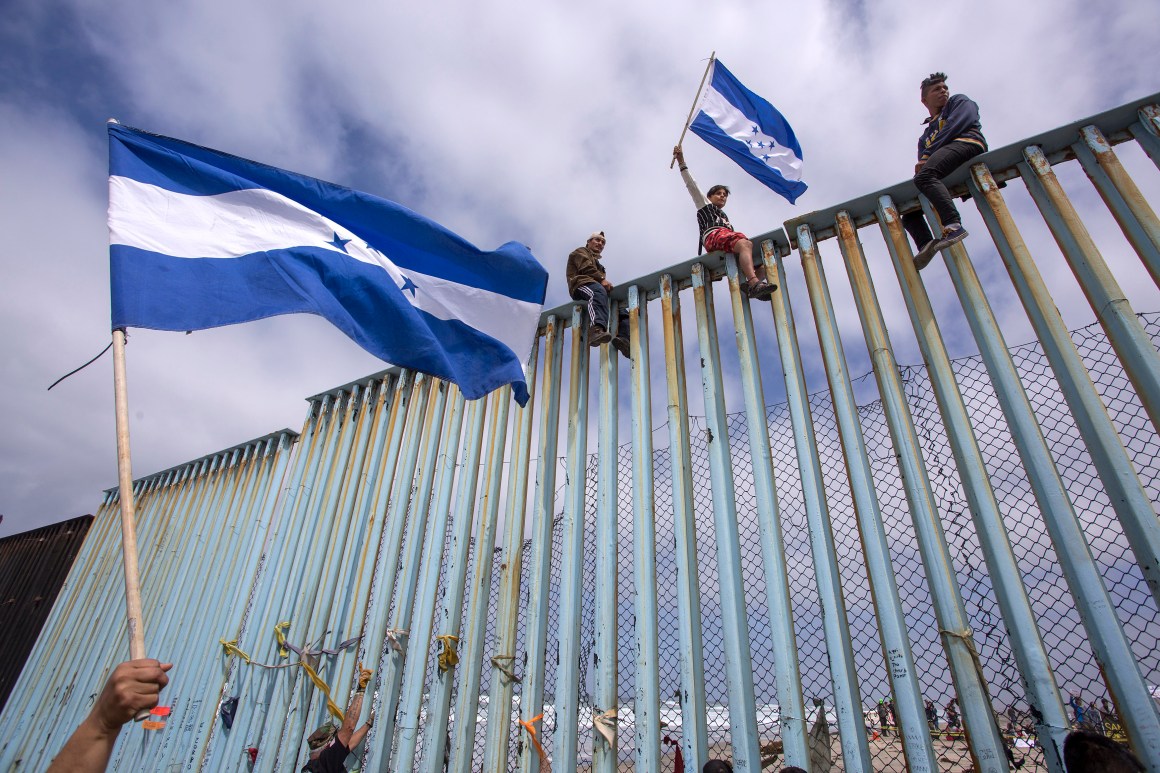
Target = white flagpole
(689,120)
(128,527)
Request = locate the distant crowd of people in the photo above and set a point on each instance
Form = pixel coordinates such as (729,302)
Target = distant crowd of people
(1101,719)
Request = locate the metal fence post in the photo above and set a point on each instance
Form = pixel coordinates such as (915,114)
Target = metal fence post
(695,738)
(791,708)
(843,672)
(1124,199)
(644,553)
(738,660)
(540,564)
(567,693)
(1137,353)
(907,692)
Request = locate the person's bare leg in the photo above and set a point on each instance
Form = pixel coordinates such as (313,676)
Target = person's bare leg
(743,249)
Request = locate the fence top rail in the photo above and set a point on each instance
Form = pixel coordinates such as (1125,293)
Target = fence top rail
(1055,143)
(255,443)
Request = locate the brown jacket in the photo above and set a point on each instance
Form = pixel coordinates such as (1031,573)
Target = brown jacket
(583,268)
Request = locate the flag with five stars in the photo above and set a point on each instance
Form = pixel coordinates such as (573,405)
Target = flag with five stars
(750,131)
(200,239)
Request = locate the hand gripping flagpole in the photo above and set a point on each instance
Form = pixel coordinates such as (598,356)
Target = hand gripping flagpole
(128,527)
(696,99)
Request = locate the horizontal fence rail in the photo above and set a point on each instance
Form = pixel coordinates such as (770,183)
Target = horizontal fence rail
(926,568)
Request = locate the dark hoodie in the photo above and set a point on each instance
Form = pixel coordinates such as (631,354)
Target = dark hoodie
(958,121)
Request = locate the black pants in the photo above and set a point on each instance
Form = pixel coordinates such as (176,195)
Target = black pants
(595,299)
(929,179)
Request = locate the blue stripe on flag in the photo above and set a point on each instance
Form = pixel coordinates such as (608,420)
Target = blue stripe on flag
(350,295)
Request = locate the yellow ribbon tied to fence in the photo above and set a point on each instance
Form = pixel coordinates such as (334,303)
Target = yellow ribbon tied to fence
(448,657)
(232,648)
(280,635)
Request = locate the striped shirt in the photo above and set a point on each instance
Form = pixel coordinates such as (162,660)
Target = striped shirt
(710,217)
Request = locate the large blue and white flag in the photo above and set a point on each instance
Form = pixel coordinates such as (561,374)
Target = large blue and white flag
(750,131)
(200,239)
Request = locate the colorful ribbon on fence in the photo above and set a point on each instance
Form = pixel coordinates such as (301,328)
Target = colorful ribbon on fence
(545,763)
(448,657)
(231,647)
(498,662)
(395,638)
(605,724)
(279,634)
(284,648)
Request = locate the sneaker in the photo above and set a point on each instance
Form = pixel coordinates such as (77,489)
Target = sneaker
(620,344)
(924,256)
(597,335)
(952,234)
(760,290)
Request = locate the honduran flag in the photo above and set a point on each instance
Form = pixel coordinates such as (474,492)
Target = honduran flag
(200,239)
(750,131)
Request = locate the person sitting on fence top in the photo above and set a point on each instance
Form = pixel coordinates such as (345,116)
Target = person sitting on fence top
(952,136)
(716,233)
(588,282)
(330,745)
(133,686)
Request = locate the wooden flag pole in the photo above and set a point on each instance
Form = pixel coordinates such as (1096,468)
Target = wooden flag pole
(689,120)
(128,527)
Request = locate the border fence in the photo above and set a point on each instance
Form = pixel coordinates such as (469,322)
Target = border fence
(776,583)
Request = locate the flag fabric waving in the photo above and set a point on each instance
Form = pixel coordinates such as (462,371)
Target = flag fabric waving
(750,131)
(200,239)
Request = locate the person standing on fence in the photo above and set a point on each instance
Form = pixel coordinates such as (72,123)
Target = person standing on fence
(953,135)
(716,232)
(588,282)
(330,745)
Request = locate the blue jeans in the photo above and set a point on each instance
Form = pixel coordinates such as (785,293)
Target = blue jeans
(929,179)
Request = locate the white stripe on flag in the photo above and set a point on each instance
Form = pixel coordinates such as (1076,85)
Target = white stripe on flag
(237,223)
(739,126)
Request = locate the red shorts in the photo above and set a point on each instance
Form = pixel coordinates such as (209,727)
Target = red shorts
(722,239)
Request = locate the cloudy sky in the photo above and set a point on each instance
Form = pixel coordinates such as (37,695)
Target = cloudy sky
(535,122)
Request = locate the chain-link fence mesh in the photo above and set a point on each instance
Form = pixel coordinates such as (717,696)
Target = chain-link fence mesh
(1076,670)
